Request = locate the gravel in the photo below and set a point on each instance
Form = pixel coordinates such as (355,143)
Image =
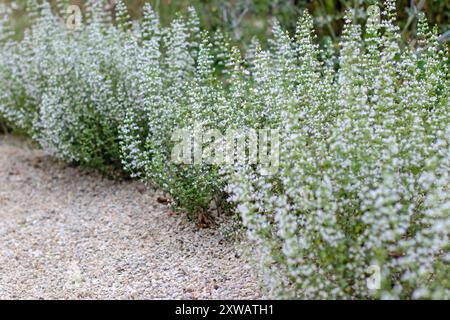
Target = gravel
(67,233)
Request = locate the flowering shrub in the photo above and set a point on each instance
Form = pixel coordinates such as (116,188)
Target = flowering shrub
(366,151)
(61,87)
(79,111)
(363,175)
(157,101)
(19,75)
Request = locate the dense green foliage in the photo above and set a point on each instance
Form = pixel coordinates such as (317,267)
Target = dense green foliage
(244,19)
(363,173)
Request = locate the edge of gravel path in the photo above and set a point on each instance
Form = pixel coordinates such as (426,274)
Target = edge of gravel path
(68,233)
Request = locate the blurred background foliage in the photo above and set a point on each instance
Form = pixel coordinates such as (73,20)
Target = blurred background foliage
(245,19)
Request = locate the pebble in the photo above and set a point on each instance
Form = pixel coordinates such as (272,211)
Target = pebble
(81,236)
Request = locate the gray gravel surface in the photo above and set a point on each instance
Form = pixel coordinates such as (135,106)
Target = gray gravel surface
(66,233)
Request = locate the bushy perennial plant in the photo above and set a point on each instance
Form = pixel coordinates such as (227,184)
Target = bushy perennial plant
(366,149)
(364,160)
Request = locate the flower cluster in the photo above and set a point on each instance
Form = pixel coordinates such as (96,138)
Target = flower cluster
(60,86)
(363,172)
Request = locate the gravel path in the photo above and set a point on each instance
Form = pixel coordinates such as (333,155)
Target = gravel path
(66,233)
